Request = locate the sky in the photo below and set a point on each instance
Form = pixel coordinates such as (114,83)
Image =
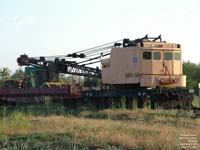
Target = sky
(59,27)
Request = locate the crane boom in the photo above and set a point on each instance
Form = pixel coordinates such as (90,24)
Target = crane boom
(60,66)
(81,59)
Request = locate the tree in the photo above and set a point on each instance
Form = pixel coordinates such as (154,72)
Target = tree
(66,79)
(69,79)
(89,82)
(4,75)
(192,71)
(18,75)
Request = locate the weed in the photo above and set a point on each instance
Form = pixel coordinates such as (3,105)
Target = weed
(58,127)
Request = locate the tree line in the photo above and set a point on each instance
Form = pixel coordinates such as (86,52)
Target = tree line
(191,70)
(6,74)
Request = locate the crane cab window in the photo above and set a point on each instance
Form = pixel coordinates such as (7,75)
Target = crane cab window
(177,56)
(168,56)
(156,55)
(146,55)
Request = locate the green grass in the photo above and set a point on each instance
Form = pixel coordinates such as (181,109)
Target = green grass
(56,127)
(39,141)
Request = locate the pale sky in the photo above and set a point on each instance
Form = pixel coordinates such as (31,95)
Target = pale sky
(58,27)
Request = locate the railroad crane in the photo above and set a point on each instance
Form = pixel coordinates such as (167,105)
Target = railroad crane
(140,69)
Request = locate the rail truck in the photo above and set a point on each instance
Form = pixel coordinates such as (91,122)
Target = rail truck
(145,69)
